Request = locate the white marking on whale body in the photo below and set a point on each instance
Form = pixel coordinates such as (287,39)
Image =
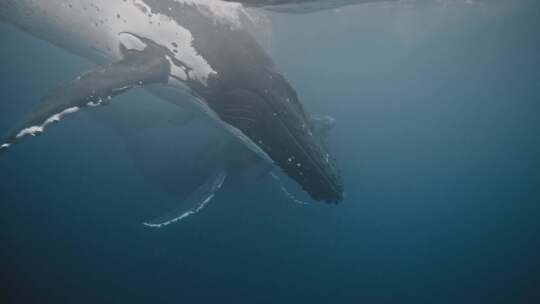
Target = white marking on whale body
(95,104)
(5,146)
(161,29)
(59,116)
(131,42)
(177,71)
(92,28)
(35,130)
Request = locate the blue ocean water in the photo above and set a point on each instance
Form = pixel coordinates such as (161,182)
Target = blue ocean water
(437,134)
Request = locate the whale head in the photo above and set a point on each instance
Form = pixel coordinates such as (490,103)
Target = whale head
(254,97)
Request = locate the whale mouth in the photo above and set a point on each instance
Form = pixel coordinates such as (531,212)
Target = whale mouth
(278,125)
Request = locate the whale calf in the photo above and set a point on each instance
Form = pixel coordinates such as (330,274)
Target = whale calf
(194,53)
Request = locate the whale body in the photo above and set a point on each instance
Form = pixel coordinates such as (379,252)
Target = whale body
(197,54)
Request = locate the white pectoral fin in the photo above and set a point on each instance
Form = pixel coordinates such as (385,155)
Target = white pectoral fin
(94,88)
(285,191)
(195,202)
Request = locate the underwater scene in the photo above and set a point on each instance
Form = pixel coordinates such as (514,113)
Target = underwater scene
(270,151)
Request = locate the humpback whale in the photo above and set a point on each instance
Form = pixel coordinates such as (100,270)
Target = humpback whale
(197,54)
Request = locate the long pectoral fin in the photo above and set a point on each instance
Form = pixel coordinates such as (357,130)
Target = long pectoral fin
(195,202)
(93,88)
(285,191)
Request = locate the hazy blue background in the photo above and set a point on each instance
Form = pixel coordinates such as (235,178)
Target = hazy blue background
(438,112)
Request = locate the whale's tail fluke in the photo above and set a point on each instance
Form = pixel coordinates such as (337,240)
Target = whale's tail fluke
(94,88)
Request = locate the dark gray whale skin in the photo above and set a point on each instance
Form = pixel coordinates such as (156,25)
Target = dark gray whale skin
(262,3)
(303,6)
(250,94)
